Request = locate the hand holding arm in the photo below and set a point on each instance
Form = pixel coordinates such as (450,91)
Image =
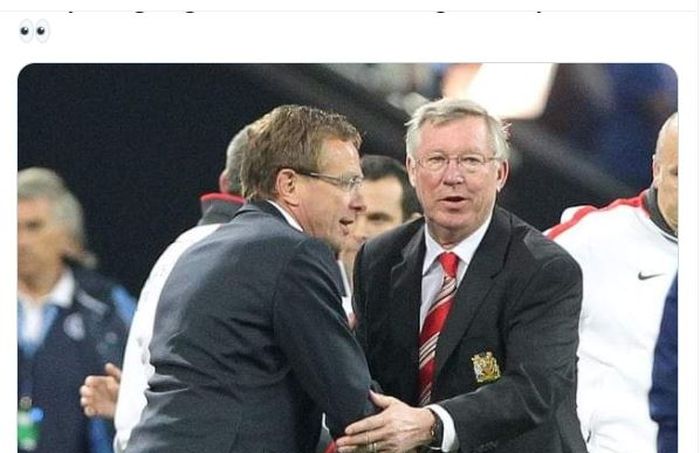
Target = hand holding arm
(398,428)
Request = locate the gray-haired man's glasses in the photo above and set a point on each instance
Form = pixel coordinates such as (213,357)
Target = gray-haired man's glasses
(470,163)
(345,183)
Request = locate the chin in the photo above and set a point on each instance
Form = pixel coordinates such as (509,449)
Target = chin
(334,244)
(454,221)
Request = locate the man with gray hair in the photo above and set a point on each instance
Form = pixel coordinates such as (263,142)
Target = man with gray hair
(468,315)
(71,320)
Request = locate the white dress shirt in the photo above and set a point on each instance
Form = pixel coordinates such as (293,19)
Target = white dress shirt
(31,328)
(430,285)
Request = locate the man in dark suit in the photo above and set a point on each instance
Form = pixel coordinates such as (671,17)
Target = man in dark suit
(471,314)
(250,342)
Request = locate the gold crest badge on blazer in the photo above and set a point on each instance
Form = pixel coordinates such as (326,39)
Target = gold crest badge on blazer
(485,367)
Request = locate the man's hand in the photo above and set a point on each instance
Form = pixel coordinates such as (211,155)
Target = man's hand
(398,428)
(98,394)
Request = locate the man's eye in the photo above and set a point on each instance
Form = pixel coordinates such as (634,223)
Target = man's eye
(471,160)
(33,226)
(436,159)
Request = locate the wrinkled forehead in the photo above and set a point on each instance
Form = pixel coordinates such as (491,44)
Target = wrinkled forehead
(471,131)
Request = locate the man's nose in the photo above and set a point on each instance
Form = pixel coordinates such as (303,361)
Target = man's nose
(453,173)
(357,203)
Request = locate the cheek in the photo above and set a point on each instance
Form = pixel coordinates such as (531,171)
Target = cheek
(333,208)
(425,188)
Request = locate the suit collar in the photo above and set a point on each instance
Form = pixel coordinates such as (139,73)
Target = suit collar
(261,206)
(487,262)
(405,290)
(287,216)
(465,249)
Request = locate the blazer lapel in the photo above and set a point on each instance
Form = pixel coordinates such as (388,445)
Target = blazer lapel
(487,262)
(405,294)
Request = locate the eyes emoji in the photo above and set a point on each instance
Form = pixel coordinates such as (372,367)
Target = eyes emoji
(27,30)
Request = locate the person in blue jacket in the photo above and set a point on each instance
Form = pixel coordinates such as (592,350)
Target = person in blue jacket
(71,320)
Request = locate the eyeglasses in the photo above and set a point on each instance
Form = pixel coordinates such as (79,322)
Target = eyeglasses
(470,163)
(345,183)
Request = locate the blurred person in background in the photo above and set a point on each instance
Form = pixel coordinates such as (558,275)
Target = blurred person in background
(628,252)
(71,320)
(389,201)
(612,113)
(103,396)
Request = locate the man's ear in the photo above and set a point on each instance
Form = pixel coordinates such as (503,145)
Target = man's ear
(411,170)
(655,171)
(223,182)
(502,175)
(287,187)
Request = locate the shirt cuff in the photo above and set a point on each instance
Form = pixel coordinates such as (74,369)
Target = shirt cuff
(449,435)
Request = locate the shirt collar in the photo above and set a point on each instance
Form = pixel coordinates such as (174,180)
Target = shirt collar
(464,250)
(61,294)
(651,203)
(287,216)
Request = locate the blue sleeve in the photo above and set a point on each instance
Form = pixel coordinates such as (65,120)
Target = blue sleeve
(124,303)
(100,436)
(663,397)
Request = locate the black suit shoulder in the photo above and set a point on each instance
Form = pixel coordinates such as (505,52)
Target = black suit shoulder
(533,247)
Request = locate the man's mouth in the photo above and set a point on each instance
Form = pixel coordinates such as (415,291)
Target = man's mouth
(345,225)
(453,199)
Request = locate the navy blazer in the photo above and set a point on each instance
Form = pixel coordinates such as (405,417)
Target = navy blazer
(251,345)
(519,300)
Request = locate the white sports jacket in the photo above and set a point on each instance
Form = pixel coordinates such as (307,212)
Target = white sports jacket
(628,263)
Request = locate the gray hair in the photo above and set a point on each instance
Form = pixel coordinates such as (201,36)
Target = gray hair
(445,110)
(37,182)
(234,157)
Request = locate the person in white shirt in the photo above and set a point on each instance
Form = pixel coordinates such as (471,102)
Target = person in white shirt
(120,394)
(628,252)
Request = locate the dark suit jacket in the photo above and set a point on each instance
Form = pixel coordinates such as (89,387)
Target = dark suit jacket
(663,397)
(251,345)
(519,299)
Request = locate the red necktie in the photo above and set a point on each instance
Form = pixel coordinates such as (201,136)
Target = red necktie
(437,314)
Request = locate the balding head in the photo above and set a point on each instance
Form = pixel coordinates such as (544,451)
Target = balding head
(665,168)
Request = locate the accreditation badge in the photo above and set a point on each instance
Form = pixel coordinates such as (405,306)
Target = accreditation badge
(28,424)
(485,367)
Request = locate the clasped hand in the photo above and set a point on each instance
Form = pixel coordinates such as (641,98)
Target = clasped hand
(397,428)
